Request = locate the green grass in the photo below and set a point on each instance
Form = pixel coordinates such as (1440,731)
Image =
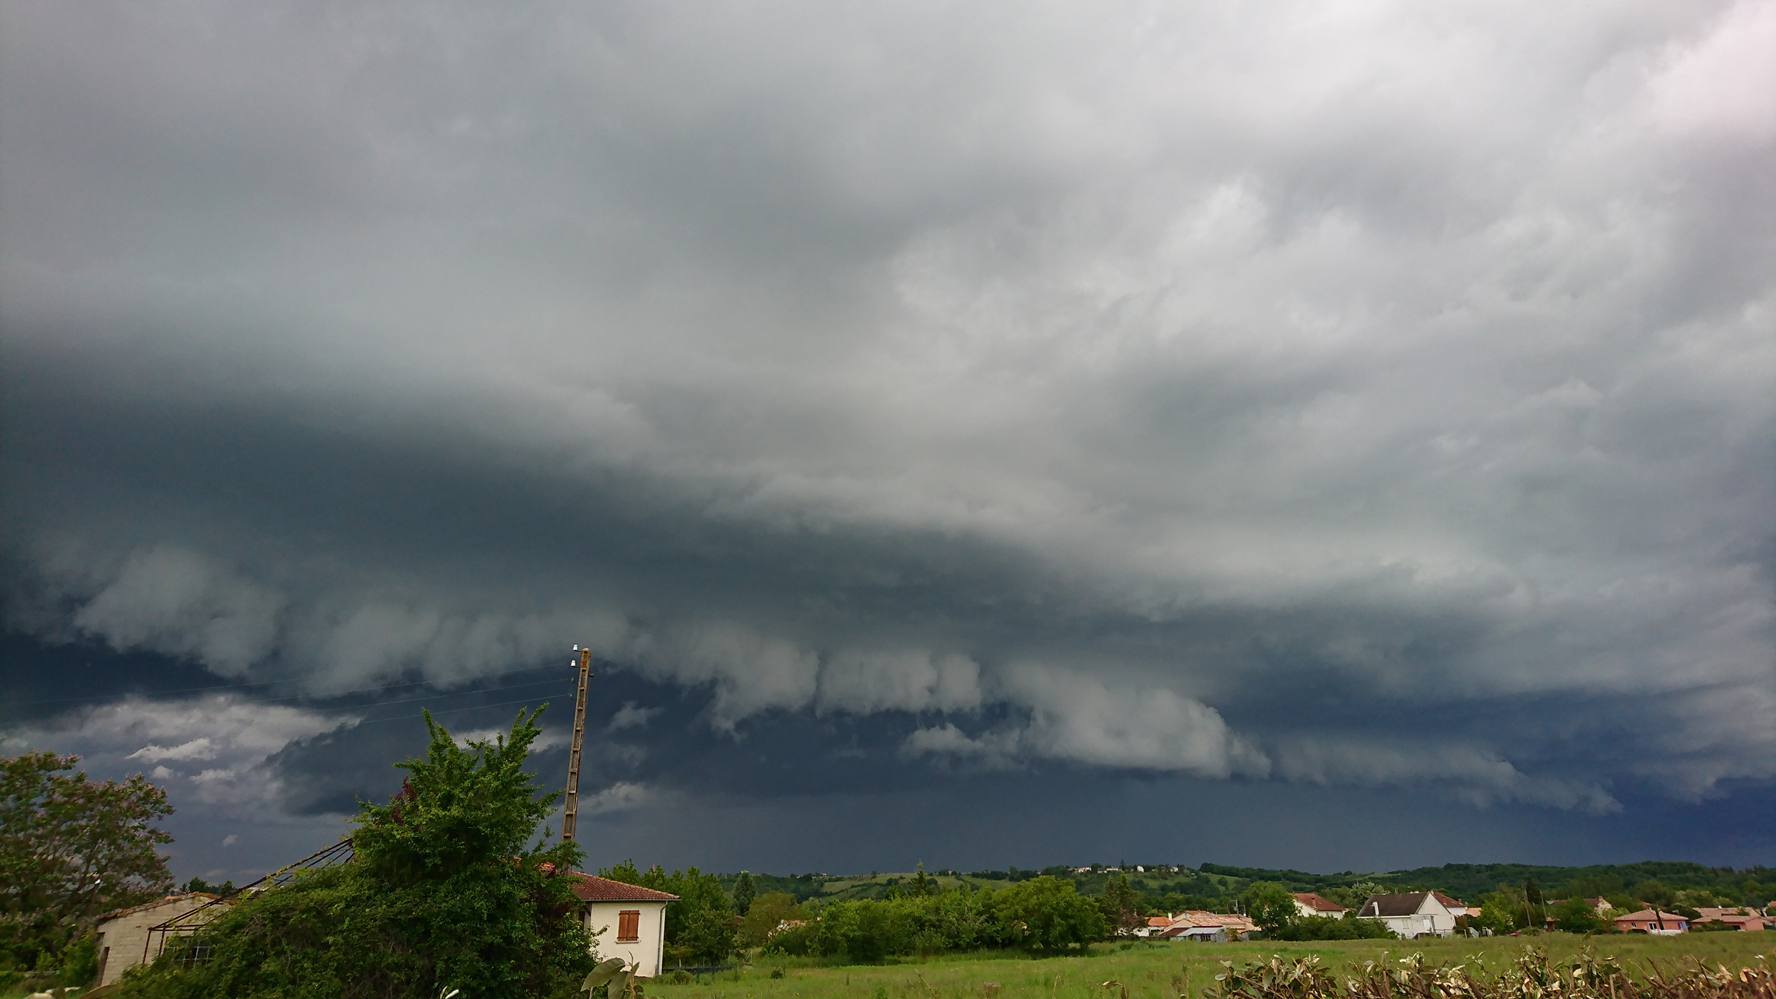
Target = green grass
(1156,968)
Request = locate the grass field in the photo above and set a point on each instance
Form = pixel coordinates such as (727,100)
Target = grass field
(1152,968)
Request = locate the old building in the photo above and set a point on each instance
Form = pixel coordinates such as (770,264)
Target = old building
(123,934)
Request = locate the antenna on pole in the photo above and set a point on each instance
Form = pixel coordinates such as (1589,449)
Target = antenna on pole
(570,812)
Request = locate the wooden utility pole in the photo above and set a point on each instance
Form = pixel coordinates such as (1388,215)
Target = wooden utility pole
(570,812)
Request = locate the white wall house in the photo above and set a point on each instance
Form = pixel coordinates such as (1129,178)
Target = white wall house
(624,920)
(1309,904)
(1410,914)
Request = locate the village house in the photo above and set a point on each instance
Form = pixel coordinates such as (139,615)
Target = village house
(1664,924)
(1738,918)
(124,937)
(1456,907)
(624,920)
(1202,925)
(1410,914)
(1309,904)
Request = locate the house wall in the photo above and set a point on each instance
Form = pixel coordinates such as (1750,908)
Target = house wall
(601,923)
(1431,918)
(1442,921)
(122,940)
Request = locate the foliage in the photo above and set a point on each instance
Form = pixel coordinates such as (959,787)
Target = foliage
(744,892)
(1042,915)
(1174,969)
(1045,914)
(767,912)
(1348,927)
(1504,910)
(444,891)
(199,884)
(1270,906)
(1586,976)
(1120,905)
(1575,915)
(70,849)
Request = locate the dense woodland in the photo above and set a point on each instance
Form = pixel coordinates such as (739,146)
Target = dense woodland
(1220,887)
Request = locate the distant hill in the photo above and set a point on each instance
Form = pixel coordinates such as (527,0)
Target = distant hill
(1213,885)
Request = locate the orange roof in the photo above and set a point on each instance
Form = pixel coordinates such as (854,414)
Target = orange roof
(1318,903)
(1647,916)
(1447,901)
(1159,921)
(592,888)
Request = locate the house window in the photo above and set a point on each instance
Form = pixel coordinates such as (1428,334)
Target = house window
(629,926)
(190,951)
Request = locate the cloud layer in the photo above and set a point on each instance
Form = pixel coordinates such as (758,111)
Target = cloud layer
(1229,394)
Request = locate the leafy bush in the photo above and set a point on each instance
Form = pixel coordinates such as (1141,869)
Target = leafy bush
(443,891)
(1349,927)
(1532,976)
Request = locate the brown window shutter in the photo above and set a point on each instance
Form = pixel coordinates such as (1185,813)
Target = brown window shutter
(629,926)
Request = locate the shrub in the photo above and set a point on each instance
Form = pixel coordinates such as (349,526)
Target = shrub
(442,891)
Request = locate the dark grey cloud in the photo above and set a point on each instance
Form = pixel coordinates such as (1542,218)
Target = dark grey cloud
(1378,401)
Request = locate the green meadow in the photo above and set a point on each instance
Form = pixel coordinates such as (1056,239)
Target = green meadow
(1156,968)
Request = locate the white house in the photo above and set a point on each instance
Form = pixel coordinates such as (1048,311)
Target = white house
(1410,914)
(1456,907)
(1309,904)
(624,920)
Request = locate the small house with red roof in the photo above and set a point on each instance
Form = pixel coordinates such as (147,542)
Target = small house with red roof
(1739,918)
(1659,924)
(1309,904)
(624,920)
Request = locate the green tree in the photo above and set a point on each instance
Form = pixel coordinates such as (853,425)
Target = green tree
(767,912)
(446,889)
(71,848)
(923,884)
(1654,893)
(1119,904)
(1046,914)
(1503,910)
(1575,915)
(1270,906)
(744,892)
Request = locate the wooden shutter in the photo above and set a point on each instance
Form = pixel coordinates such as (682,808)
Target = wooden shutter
(629,926)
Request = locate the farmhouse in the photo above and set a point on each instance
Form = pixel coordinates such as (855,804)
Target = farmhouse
(1456,907)
(1737,918)
(123,933)
(1202,925)
(1309,904)
(624,920)
(1663,924)
(1410,914)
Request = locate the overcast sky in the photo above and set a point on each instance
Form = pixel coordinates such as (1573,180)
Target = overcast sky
(1288,433)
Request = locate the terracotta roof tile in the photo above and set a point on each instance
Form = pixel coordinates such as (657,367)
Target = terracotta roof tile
(1318,903)
(592,888)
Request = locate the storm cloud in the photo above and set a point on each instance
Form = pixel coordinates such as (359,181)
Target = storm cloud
(1363,398)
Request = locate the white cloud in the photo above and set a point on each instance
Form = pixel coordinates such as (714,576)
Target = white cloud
(200,748)
(619,797)
(230,840)
(630,715)
(238,737)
